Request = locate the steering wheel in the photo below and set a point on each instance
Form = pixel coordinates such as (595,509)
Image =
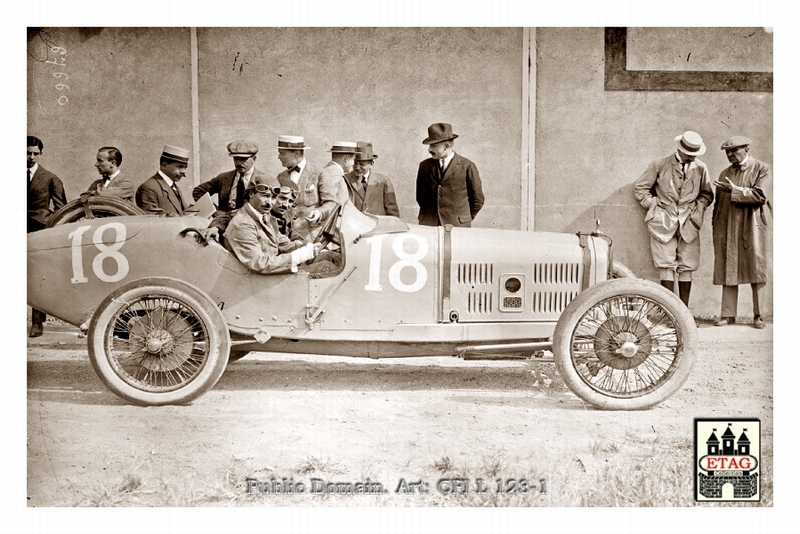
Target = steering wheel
(326,233)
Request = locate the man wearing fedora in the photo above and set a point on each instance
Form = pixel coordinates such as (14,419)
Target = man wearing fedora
(370,191)
(229,186)
(448,185)
(159,194)
(676,190)
(741,226)
(303,177)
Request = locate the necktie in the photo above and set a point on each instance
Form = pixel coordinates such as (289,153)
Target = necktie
(106,179)
(30,175)
(737,166)
(364,183)
(294,169)
(177,194)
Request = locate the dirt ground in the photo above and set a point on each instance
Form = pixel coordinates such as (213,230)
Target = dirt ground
(406,424)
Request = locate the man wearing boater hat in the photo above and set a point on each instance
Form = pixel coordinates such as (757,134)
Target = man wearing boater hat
(369,191)
(741,225)
(229,186)
(676,190)
(303,177)
(448,185)
(160,193)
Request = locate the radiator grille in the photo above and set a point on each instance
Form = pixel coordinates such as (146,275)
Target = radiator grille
(512,302)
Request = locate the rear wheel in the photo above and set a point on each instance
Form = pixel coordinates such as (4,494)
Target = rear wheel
(625,344)
(94,207)
(158,341)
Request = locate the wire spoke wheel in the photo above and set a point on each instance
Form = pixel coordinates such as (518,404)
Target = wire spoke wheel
(159,344)
(625,344)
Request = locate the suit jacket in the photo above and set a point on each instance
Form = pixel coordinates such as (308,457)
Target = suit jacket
(221,186)
(121,186)
(453,198)
(379,197)
(43,188)
(673,201)
(155,196)
(259,245)
(314,191)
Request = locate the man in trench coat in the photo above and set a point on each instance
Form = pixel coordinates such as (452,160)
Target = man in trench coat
(741,225)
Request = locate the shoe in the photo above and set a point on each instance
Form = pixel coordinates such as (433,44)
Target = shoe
(758,322)
(37,329)
(722,321)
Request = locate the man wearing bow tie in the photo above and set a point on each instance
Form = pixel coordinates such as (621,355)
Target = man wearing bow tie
(44,188)
(316,197)
(369,191)
(676,190)
(111,182)
(741,229)
(160,194)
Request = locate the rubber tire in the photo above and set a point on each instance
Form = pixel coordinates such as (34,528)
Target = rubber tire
(198,303)
(619,270)
(101,206)
(568,322)
(237,355)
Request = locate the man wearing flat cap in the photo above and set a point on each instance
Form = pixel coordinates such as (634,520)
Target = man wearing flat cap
(741,229)
(449,187)
(160,194)
(253,237)
(676,190)
(229,186)
(370,191)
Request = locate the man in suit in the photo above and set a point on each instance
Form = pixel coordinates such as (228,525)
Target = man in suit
(160,194)
(676,190)
(111,182)
(369,191)
(44,188)
(316,195)
(230,186)
(448,185)
(253,237)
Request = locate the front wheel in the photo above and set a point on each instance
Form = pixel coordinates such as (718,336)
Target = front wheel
(625,344)
(158,341)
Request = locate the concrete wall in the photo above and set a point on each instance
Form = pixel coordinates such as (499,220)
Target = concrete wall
(133,88)
(592,144)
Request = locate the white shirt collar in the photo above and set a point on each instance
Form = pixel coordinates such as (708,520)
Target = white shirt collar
(112,176)
(166,178)
(248,175)
(448,159)
(33,169)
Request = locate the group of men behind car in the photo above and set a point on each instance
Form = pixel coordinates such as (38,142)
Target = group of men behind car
(272,224)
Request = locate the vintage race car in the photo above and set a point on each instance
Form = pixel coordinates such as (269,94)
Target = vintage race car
(165,311)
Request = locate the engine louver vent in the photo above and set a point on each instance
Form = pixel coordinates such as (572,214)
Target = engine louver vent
(475,273)
(479,302)
(552,301)
(556,273)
